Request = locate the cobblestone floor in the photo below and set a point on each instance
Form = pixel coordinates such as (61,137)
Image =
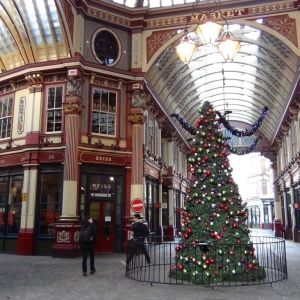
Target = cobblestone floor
(46,278)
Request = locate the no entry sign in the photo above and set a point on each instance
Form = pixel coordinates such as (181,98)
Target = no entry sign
(137,205)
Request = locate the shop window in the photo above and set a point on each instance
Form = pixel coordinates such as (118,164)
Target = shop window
(104,112)
(6,105)
(101,186)
(151,140)
(106,47)
(49,202)
(10,203)
(293,141)
(54,109)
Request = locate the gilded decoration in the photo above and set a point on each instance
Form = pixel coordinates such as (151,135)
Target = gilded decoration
(284,25)
(271,8)
(157,40)
(107,17)
(72,107)
(136,118)
(136,50)
(67,8)
(167,21)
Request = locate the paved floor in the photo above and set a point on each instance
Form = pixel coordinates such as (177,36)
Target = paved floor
(46,278)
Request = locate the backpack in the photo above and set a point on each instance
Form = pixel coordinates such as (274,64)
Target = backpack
(85,235)
(145,230)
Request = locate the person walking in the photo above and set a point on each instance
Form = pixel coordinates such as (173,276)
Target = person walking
(138,240)
(87,240)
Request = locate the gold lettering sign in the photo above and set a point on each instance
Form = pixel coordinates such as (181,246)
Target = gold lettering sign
(219,15)
(103,158)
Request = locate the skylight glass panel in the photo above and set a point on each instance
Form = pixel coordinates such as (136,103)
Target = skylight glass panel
(253,35)
(32,21)
(7,43)
(54,20)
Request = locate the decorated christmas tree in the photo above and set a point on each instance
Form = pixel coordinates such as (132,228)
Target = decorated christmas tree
(215,245)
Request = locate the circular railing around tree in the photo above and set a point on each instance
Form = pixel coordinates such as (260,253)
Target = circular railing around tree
(268,260)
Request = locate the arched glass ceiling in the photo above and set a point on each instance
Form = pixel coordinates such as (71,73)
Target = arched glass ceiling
(158,3)
(30,31)
(261,75)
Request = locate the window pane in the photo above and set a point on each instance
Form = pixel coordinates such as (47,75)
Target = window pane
(3,189)
(16,186)
(58,98)
(49,202)
(101,186)
(6,105)
(51,93)
(54,111)
(14,218)
(103,122)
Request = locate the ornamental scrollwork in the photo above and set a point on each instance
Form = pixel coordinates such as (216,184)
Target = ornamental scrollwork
(72,107)
(136,118)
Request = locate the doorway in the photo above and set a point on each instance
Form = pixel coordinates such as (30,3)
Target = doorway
(102,213)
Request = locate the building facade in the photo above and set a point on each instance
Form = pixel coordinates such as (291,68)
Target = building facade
(84,129)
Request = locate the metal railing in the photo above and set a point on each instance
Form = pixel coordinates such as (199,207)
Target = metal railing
(269,260)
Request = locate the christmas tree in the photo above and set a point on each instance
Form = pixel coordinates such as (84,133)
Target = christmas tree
(215,245)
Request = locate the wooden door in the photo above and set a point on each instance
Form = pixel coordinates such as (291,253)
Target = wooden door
(102,213)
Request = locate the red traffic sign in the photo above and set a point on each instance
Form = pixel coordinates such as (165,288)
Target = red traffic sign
(137,205)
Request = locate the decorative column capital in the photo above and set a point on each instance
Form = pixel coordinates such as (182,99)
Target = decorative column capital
(35,88)
(137,118)
(73,108)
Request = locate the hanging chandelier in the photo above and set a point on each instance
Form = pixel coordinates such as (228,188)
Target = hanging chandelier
(209,32)
(186,49)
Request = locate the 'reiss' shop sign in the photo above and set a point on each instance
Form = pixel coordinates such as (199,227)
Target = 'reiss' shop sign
(89,157)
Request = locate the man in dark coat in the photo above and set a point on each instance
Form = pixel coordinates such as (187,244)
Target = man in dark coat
(137,243)
(89,248)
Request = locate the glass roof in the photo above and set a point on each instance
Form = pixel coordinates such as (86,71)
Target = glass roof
(159,3)
(261,75)
(25,26)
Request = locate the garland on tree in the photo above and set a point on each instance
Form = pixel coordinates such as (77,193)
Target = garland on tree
(247,132)
(248,150)
(215,245)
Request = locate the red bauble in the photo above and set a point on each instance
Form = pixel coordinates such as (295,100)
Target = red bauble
(216,272)
(251,252)
(222,206)
(212,234)
(194,150)
(227,153)
(212,261)
(180,267)
(239,241)
(235,225)
(230,180)
(206,121)
(250,265)
(199,121)
(205,146)
(218,237)
(207,262)
(220,266)
(224,228)
(208,173)
(220,155)
(231,252)
(177,248)
(189,230)
(206,158)
(186,236)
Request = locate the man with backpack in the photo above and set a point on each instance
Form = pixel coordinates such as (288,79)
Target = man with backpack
(140,232)
(87,241)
